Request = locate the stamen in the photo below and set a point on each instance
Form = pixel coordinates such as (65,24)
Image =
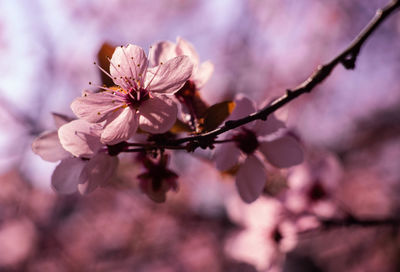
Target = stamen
(158,69)
(130,68)
(104,71)
(120,73)
(106,89)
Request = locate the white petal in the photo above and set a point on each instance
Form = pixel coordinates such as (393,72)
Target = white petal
(158,114)
(170,76)
(282,152)
(251,179)
(226,156)
(183,47)
(128,62)
(95,107)
(202,74)
(65,178)
(97,172)
(80,138)
(121,128)
(269,126)
(48,147)
(60,119)
(162,52)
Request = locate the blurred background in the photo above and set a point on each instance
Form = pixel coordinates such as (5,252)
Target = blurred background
(349,127)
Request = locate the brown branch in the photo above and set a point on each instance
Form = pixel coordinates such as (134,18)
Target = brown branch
(347,58)
(351,221)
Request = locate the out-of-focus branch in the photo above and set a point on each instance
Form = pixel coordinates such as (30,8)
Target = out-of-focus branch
(352,221)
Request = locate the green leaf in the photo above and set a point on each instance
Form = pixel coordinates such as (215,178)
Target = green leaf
(216,114)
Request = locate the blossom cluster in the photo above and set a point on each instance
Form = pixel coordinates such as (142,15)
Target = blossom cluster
(151,95)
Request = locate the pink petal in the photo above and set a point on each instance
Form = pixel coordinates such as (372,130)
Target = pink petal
(80,138)
(183,47)
(251,179)
(65,178)
(95,107)
(60,119)
(244,106)
(130,62)
(269,126)
(162,52)
(169,77)
(282,152)
(48,147)
(226,156)
(97,172)
(158,114)
(121,128)
(202,74)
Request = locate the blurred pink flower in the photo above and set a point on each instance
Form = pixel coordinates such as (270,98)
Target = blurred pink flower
(266,236)
(91,167)
(166,50)
(157,180)
(313,184)
(280,150)
(141,98)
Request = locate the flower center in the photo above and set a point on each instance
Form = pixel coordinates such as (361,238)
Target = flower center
(246,140)
(134,97)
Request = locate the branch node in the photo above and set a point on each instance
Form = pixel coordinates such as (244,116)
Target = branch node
(229,124)
(349,62)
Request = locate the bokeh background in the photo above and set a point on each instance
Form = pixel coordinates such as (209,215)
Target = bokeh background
(349,127)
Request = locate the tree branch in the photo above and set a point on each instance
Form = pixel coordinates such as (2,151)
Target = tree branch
(347,58)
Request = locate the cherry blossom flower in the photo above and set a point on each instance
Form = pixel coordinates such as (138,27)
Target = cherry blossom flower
(140,98)
(250,144)
(266,236)
(166,50)
(313,184)
(84,165)
(193,107)
(157,180)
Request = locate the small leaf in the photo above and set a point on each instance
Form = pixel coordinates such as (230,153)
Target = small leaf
(216,114)
(105,52)
(180,127)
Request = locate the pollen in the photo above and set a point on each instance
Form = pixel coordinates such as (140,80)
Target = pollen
(98,113)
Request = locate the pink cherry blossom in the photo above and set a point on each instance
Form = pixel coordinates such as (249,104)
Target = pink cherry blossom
(250,144)
(157,180)
(91,167)
(165,50)
(313,185)
(141,98)
(266,233)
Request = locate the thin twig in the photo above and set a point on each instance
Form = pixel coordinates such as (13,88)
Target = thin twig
(348,58)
